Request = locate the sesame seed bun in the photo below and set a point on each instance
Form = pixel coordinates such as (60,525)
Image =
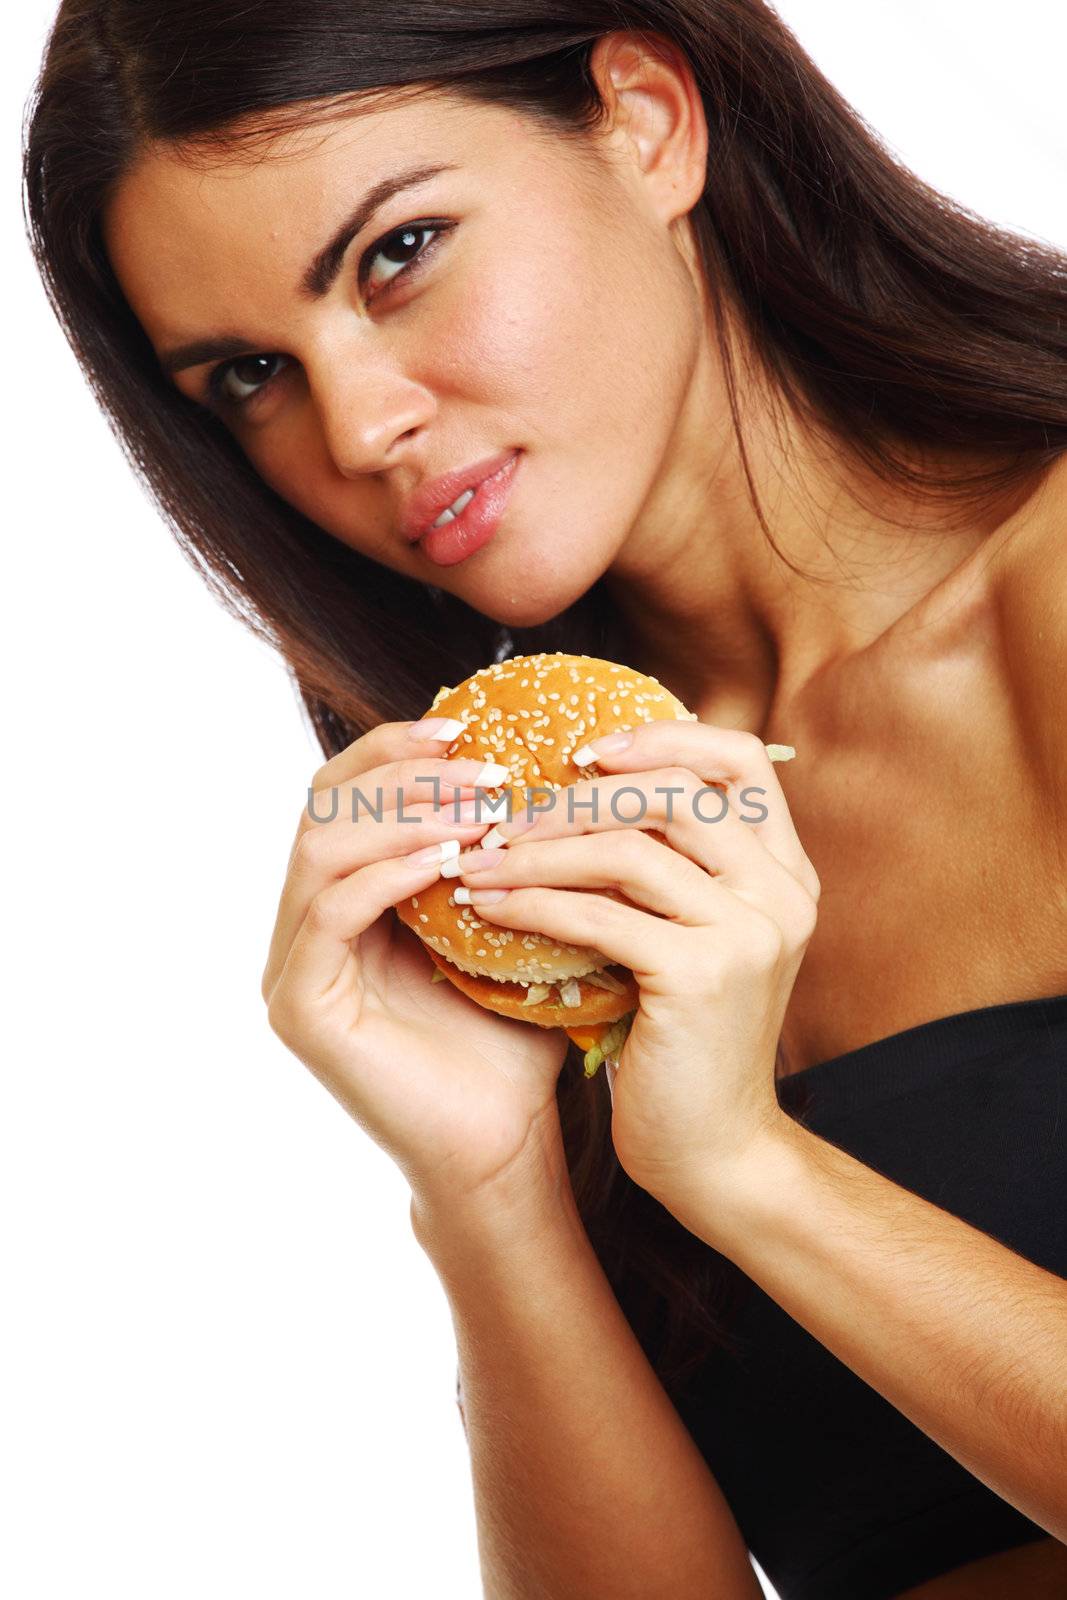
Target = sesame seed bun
(529,713)
(512,999)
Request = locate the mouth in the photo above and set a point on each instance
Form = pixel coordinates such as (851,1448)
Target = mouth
(480,509)
(430,502)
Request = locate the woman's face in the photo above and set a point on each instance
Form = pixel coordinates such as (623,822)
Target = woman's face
(547,309)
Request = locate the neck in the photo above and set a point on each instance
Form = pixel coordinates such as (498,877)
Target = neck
(717,613)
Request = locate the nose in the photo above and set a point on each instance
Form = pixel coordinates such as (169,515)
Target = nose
(366,409)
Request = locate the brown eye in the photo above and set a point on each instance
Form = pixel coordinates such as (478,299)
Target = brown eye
(406,249)
(249,374)
(238,382)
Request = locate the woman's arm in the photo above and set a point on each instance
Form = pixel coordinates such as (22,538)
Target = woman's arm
(961,1334)
(587,1485)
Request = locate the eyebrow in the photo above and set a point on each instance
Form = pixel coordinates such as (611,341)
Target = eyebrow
(320,273)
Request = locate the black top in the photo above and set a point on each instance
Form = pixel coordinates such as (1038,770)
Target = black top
(837,1494)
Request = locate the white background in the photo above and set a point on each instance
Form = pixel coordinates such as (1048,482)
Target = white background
(229,1369)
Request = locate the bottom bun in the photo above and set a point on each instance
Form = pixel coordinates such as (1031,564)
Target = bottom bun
(596,1005)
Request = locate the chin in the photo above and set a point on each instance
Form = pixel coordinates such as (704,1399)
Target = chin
(519,613)
(529,599)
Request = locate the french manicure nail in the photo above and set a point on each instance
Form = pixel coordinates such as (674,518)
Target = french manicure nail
(606,746)
(444,850)
(477,897)
(490,776)
(472,861)
(479,861)
(494,838)
(444,728)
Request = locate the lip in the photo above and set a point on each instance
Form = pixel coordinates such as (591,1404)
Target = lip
(477,522)
(427,503)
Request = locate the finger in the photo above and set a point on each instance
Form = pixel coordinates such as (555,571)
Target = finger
(630,862)
(720,755)
(390,741)
(698,821)
(338,914)
(323,856)
(386,742)
(411,779)
(646,944)
(398,786)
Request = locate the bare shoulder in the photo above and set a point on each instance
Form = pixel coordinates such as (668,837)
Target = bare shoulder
(1031,604)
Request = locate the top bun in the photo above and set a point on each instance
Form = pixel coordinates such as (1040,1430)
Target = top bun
(529,714)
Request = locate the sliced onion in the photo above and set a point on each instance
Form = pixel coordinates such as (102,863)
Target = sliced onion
(604,980)
(536,993)
(569,992)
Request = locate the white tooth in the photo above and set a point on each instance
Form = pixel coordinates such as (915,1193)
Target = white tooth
(453,511)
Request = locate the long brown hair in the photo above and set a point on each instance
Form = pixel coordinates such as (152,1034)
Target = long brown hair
(900,324)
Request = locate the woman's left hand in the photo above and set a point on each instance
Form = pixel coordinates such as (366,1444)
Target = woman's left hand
(721,916)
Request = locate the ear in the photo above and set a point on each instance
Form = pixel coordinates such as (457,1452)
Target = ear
(655,117)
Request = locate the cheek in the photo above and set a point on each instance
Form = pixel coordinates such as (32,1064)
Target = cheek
(574,340)
(497,337)
(534,329)
(292,459)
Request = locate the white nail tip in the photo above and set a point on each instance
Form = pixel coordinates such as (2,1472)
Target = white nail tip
(462,895)
(449,849)
(451,868)
(493,840)
(451,729)
(492,774)
(585,757)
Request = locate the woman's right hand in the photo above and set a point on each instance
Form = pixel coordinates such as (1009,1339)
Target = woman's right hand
(459,1096)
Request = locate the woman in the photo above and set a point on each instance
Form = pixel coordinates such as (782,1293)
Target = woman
(781,426)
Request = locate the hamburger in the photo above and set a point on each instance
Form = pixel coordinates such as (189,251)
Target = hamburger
(530,713)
